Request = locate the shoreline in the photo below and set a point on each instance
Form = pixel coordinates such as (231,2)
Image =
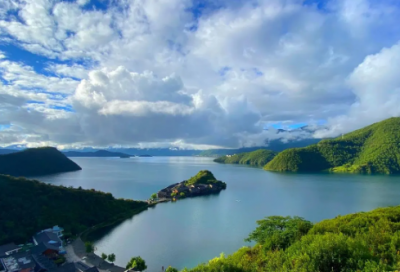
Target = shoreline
(93,259)
(78,245)
(118,219)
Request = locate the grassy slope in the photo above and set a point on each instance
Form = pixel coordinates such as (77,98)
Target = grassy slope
(257,158)
(367,241)
(373,149)
(202,177)
(36,161)
(28,206)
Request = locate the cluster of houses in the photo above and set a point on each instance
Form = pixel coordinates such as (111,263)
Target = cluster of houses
(39,256)
(179,190)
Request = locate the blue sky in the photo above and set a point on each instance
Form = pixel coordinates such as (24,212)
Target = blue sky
(191,73)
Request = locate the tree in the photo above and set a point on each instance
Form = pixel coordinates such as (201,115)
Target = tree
(104,256)
(137,263)
(171,269)
(89,247)
(111,258)
(182,195)
(153,196)
(278,232)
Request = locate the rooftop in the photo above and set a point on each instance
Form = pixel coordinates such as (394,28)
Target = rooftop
(8,247)
(18,261)
(49,239)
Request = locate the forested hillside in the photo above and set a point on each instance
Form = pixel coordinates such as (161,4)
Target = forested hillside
(367,242)
(28,206)
(257,158)
(36,161)
(373,149)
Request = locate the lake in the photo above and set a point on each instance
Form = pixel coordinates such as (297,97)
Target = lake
(191,231)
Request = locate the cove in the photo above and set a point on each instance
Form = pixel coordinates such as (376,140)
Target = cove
(191,231)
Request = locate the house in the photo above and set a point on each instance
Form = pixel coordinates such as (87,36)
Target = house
(165,193)
(42,249)
(43,263)
(56,230)
(183,189)
(9,249)
(18,262)
(51,241)
(75,267)
(202,186)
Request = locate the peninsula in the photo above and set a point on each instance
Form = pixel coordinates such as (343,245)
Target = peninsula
(204,183)
(36,162)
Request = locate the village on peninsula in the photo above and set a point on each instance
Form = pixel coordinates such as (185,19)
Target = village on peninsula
(204,183)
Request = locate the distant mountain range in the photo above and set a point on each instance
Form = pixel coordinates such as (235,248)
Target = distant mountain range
(36,162)
(276,145)
(8,151)
(273,145)
(98,153)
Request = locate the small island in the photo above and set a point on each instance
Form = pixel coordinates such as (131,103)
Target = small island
(204,183)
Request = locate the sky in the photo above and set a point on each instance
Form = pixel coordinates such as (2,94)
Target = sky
(194,73)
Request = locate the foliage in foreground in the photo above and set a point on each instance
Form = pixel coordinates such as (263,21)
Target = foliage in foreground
(257,158)
(373,149)
(28,206)
(89,247)
(137,264)
(357,242)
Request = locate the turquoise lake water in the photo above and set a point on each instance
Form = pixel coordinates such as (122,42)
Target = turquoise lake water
(191,231)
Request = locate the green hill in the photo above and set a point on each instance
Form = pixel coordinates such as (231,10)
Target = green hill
(373,149)
(36,162)
(203,177)
(28,206)
(365,242)
(257,158)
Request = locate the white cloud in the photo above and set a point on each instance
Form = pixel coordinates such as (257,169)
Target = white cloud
(151,73)
(74,71)
(376,84)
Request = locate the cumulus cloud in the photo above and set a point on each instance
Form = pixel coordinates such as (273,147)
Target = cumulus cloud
(376,85)
(119,106)
(171,72)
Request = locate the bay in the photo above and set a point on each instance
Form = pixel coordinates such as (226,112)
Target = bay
(191,231)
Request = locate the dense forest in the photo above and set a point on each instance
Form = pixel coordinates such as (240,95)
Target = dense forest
(35,162)
(373,149)
(257,158)
(28,206)
(366,242)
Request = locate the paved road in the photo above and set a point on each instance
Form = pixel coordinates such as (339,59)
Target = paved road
(76,253)
(71,256)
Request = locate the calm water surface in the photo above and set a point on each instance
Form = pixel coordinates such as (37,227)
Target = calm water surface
(192,231)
